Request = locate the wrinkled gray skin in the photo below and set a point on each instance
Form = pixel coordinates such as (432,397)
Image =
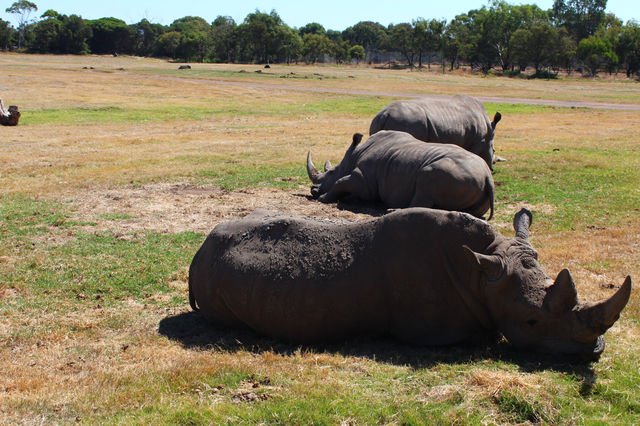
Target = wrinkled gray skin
(426,277)
(460,120)
(401,171)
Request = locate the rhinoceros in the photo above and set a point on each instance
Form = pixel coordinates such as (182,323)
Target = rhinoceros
(460,120)
(401,171)
(423,276)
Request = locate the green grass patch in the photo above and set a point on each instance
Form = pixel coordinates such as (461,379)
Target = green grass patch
(510,108)
(81,116)
(239,175)
(85,266)
(586,186)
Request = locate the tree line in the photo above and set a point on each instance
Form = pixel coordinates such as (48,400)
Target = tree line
(573,34)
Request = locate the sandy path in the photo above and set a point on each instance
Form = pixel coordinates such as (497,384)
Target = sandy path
(497,99)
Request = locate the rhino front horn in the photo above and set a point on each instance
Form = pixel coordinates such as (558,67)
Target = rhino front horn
(601,315)
(521,223)
(314,174)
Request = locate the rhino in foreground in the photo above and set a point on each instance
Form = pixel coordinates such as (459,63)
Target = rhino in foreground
(460,120)
(424,276)
(401,171)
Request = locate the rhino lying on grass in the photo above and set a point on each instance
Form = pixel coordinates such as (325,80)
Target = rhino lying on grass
(401,171)
(426,277)
(459,120)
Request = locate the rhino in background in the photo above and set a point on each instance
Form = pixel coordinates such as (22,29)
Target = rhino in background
(460,120)
(401,171)
(426,277)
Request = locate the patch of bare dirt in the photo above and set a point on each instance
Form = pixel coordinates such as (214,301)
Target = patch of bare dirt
(180,207)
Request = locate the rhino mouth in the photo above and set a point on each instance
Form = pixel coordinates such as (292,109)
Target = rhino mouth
(315,191)
(586,352)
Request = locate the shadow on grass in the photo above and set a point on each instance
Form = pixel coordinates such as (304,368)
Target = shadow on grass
(354,205)
(192,330)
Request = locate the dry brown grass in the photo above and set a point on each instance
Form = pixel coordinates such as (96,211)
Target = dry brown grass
(101,360)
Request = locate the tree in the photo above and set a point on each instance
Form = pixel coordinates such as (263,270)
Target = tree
(505,20)
(312,28)
(593,52)
(457,43)
(536,45)
(335,36)
(47,34)
(109,35)
(290,44)
(168,44)
(259,33)
(194,42)
(483,38)
(145,37)
(315,45)
(401,38)
(23,9)
(628,47)
(74,34)
(223,33)
(365,33)
(580,17)
(6,32)
(339,50)
(357,52)
(428,38)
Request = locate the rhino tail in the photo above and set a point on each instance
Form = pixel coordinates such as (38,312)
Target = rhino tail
(491,191)
(479,209)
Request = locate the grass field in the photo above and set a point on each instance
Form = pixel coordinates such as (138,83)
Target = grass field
(115,175)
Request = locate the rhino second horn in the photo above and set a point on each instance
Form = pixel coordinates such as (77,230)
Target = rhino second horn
(314,174)
(601,315)
(327,165)
(562,295)
(521,223)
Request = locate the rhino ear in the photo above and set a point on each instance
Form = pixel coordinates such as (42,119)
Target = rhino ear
(357,137)
(562,295)
(496,119)
(491,265)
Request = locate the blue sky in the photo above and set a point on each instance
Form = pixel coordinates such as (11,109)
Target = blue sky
(332,14)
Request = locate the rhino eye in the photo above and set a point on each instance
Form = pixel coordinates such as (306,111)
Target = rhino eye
(532,322)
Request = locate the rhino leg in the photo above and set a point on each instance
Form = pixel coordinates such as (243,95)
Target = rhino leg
(352,184)
(423,195)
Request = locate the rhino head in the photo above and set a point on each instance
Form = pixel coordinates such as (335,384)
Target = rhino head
(534,311)
(324,181)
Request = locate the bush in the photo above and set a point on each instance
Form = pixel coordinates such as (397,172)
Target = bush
(547,75)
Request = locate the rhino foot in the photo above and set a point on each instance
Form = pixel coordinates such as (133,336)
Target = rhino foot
(315,191)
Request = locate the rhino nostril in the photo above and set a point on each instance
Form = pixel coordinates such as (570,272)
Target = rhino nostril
(532,322)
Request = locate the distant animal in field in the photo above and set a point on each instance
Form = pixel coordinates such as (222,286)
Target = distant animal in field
(459,120)
(401,171)
(424,276)
(184,67)
(9,117)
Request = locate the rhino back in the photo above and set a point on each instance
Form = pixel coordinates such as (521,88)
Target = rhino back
(307,280)
(459,120)
(288,277)
(396,165)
